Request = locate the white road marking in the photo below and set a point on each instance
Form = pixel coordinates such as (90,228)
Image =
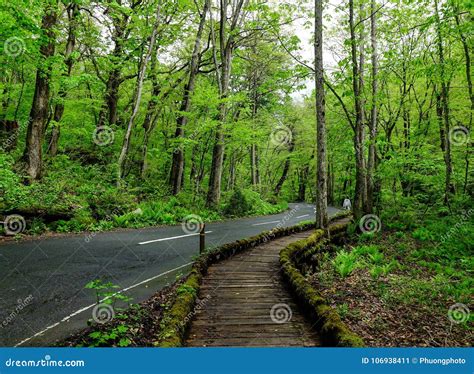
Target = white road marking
(171,238)
(92,305)
(265,223)
(304,215)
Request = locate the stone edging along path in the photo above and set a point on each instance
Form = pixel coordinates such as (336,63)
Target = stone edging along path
(214,293)
(332,330)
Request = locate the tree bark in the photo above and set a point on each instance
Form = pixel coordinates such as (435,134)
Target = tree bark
(467,57)
(374,112)
(321,175)
(109,108)
(73,14)
(361,181)
(449,188)
(39,109)
(138,97)
(150,119)
(223,70)
(177,167)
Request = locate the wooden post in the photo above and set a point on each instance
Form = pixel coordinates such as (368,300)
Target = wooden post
(202,238)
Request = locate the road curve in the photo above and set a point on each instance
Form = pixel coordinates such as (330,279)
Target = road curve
(42,295)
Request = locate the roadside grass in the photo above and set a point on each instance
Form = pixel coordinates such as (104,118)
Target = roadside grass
(134,325)
(395,288)
(77,197)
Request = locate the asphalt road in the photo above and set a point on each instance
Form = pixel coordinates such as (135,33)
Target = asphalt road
(42,295)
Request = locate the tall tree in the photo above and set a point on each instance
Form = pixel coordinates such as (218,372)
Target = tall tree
(223,67)
(177,166)
(322,169)
(73,15)
(359,133)
(33,154)
(120,13)
(138,95)
(467,59)
(371,161)
(444,96)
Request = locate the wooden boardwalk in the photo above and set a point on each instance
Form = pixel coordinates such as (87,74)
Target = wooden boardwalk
(244,302)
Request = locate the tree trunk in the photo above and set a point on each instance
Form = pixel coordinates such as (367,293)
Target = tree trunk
(177,167)
(449,188)
(110,106)
(331,180)
(138,97)
(255,177)
(361,181)
(467,58)
(286,169)
(73,14)
(303,178)
(322,182)
(39,109)
(374,113)
(223,70)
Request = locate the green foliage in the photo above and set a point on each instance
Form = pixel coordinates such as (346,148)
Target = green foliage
(237,205)
(106,292)
(366,237)
(108,337)
(345,263)
(377,270)
(366,250)
(422,234)
(343,310)
(186,288)
(12,192)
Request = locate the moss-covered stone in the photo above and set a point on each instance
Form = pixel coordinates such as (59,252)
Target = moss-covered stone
(333,331)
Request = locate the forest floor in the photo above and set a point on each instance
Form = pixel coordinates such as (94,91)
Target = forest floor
(396,291)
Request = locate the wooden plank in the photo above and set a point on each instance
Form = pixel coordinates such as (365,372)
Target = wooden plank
(243,290)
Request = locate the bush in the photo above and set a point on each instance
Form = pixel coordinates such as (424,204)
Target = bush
(12,192)
(249,202)
(238,205)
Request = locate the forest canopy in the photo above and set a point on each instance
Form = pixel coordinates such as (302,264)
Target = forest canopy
(112,106)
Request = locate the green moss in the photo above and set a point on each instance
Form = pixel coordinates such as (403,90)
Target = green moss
(333,331)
